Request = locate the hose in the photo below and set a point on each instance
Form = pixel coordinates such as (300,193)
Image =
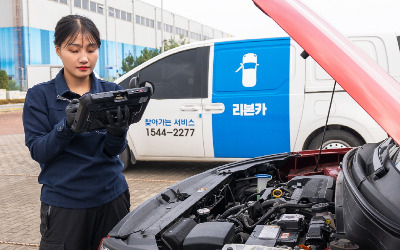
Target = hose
(270,212)
(277,171)
(230,191)
(265,204)
(231,210)
(253,195)
(261,220)
(269,203)
(246,188)
(239,225)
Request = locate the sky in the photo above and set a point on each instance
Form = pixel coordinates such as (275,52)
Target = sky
(242,18)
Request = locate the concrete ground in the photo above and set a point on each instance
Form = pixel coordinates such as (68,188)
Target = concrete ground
(20,191)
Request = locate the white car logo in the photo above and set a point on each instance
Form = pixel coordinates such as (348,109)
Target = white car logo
(249,66)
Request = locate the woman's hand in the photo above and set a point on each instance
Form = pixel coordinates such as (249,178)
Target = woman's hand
(117,125)
(70,112)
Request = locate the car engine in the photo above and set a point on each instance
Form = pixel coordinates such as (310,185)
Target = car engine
(283,215)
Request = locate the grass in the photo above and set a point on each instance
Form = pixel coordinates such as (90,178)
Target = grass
(11,101)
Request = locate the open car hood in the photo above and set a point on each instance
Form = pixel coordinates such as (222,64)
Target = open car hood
(365,81)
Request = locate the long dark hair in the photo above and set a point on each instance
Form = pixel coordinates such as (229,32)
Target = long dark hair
(69,27)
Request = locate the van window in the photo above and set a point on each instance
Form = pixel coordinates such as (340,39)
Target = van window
(182,75)
(178,76)
(319,80)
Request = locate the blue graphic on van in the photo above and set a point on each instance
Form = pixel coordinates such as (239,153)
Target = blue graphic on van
(256,117)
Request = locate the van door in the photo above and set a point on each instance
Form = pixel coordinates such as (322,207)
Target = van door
(251,80)
(172,124)
(346,115)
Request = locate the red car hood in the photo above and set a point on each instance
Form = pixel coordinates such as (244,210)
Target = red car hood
(375,91)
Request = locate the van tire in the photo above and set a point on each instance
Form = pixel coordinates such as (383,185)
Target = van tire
(125,157)
(335,139)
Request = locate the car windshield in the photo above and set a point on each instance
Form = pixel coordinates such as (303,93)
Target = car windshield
(249,66)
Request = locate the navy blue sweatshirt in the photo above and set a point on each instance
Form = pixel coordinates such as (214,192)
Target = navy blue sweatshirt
(77,170)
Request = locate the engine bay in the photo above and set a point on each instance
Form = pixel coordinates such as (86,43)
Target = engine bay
(283,214)
(341,199)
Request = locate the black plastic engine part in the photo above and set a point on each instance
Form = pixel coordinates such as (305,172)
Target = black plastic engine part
(317,188)
(176,234)
(289,239)
(370,205)
(264,235)
(339,217)
(267,193)
(291,222)
(209,235)
(255,209)
(319,208)
(316,233)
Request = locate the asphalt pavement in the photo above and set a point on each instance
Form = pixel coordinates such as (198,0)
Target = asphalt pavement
(20,191)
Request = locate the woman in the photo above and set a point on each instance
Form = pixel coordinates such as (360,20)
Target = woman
(84,194)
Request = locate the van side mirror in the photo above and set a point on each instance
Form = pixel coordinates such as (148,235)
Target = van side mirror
(134,82)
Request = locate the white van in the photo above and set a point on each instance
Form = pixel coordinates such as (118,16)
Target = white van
(231,99)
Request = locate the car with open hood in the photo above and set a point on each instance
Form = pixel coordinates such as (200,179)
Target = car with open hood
(323,199)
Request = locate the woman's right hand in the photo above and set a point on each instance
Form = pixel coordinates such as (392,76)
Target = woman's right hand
(70,112)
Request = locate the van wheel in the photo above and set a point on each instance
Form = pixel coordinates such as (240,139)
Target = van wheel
(125,157)
(335,139)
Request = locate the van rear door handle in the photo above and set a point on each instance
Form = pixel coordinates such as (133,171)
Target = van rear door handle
(190,108)
(214,108)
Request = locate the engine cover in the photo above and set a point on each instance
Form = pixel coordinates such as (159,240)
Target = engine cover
(209,235)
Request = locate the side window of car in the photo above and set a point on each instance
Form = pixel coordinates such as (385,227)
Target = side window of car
(179,76)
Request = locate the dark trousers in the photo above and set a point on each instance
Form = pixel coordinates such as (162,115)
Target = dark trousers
(64,228)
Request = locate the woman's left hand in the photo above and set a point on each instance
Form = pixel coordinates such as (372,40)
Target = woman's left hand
(118,121)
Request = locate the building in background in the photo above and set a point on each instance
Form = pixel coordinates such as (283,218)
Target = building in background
(126,26)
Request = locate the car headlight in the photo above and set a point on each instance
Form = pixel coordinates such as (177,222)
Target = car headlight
(102,246)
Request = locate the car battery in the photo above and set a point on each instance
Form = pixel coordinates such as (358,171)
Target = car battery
(264,235)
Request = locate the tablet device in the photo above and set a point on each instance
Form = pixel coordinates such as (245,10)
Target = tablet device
(91,114)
